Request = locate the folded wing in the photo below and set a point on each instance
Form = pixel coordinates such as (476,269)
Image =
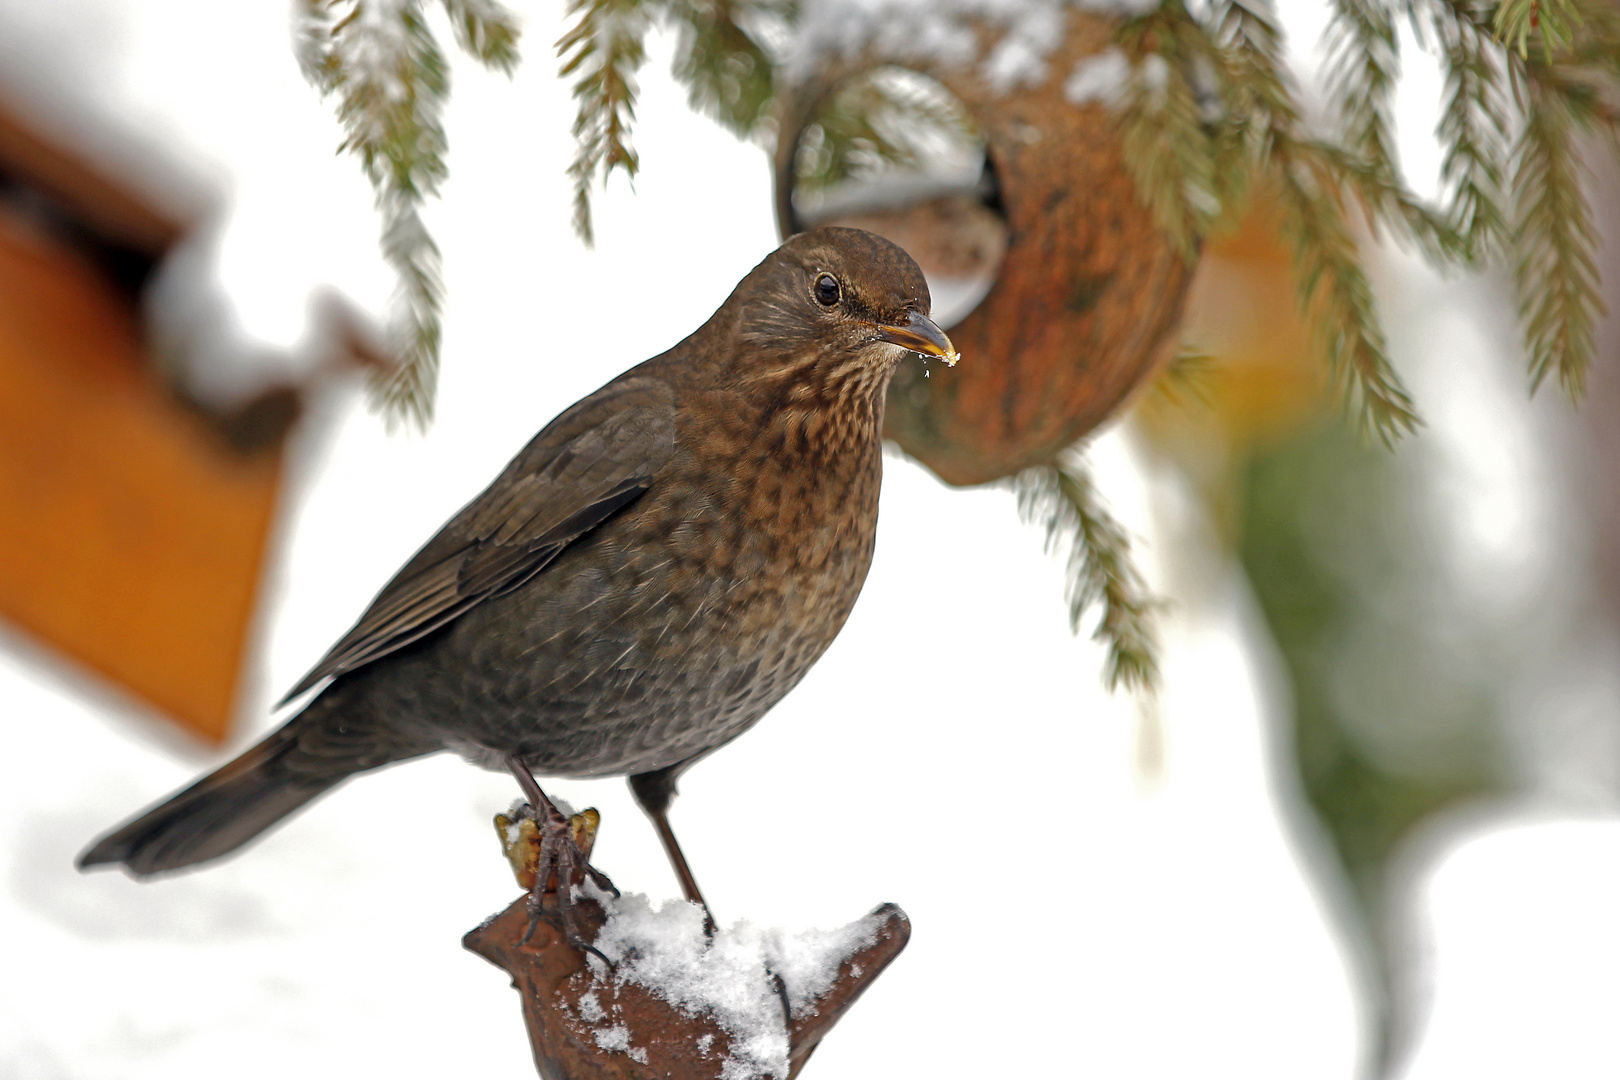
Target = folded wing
(588,464)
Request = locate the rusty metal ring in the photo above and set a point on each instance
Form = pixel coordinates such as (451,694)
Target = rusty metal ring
(1090,293)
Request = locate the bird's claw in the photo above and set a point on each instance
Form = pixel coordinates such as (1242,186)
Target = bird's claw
(560,854)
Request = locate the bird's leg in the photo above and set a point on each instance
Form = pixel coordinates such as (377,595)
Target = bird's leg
(558,852)
(654,791)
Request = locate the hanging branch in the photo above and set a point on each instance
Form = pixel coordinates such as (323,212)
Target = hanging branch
(728,75)
(1554,245)
(719,57)
(1170,150)
(1334,292)
(1474,129)
(1257,131)
(1210,115)
(1363,67)
(1548,68)
(877,121)
(1552,22)
(382,62)
(603,51)
(1063,500)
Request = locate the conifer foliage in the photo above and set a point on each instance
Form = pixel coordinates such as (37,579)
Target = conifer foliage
(1063,501)
(381,61)
(1210,119)
(1525,80)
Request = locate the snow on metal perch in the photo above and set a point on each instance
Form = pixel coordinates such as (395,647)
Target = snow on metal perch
(674,1003)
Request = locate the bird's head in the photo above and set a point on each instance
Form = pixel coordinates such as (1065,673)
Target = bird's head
(844,303)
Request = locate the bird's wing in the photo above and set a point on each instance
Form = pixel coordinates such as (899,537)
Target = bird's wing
(593,460)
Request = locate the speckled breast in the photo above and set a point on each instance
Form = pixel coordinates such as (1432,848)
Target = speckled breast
(675,629)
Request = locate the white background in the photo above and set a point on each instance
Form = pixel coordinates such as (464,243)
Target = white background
(952,753)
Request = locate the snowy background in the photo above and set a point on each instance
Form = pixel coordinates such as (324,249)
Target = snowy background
(952,753)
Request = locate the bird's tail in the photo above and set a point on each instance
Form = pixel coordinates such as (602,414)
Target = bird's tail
(235,803)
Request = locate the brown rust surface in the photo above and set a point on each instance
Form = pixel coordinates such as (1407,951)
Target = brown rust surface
(1090,294)
(552,976)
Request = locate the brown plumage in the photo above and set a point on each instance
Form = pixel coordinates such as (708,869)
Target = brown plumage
(654,571)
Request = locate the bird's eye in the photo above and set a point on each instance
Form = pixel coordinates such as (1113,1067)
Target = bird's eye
(827,290)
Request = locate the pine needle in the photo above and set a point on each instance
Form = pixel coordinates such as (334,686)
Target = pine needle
(380,59)
(1062,499)
(1334,292)
(485,30)
(1189,374)
(1553,23)
(1474,129)
(1169,151)
(888,118)
(1363,66)
(719,59)
(1554,246)
(603,51)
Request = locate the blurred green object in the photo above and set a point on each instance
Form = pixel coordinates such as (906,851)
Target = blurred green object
(1397,684)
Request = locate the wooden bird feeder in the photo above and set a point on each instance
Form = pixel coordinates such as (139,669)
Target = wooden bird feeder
(1089,293)
(133,522)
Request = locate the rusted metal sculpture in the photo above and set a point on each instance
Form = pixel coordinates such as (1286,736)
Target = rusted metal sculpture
(1090,292)
(587,1022)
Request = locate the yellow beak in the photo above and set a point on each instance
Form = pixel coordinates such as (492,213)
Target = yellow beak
(920,334)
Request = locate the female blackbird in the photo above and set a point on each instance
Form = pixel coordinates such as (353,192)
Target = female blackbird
(654,571)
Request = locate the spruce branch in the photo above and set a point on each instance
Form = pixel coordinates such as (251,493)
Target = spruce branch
(1334,292)
(390,79)
(1169,151)
(1312,178)
(485,30)
(884,119)
(727,73)
(1363,66)
(1554,245)
(1473,130)
(1252,47)
(1189,374)
(1385,202)
(603,51)
(1062,499)
(1553,23)
(383,64)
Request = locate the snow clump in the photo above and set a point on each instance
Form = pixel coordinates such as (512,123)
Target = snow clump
(730,980)
(939,30)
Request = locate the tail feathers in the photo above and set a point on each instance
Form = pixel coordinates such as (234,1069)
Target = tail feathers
(214,816)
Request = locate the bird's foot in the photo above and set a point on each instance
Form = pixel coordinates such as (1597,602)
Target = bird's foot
(561,865)
(561,849)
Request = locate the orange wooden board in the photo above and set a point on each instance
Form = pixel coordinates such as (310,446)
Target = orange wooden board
(130,537)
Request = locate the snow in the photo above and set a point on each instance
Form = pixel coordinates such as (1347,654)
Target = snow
(617,1038)
(663,947)
(895,190)
(1177,933)
(940,31)
(1098,78)
(1018,59)
(238,306)
(373,50)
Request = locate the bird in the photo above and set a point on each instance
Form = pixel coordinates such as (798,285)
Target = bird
(653,572)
